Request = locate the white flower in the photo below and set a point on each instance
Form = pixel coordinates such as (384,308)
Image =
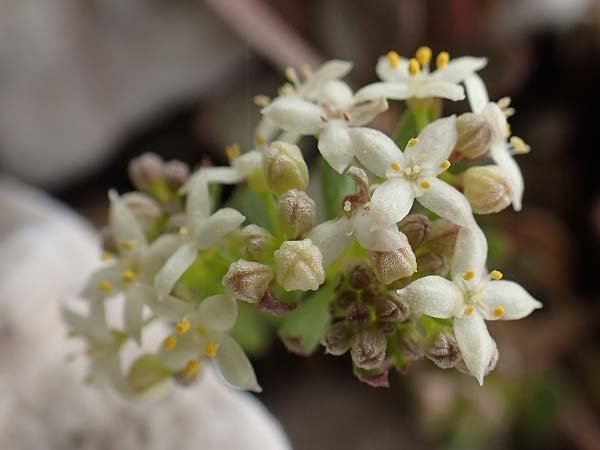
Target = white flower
(201,333)
(330,119)
(202,231)
(413,174)
(501,149)
(241,167)
(406,78)
(472,297)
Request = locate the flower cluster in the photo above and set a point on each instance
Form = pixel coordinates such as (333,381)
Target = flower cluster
(396,271)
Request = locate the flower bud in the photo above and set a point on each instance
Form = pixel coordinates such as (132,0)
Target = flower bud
(442,237)
(361,276)
(444,351)
(176,174)
(284,167)
(368,351)
(299,266)
(145,209)
(389,308)
(393,265)
(247,280)
(474,135)
(345,298)
(432,263)
(146,171)
(257,243)
(338,339)
(410,345)
(487,188)
(357,314)
(296,212)
(415,227)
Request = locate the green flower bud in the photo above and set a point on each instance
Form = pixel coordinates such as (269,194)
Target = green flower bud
(368,351)
(299,266)
(487,188)
(284,167)
(257,243)
(474,135)
(296,213)
(247,280)
(415,227)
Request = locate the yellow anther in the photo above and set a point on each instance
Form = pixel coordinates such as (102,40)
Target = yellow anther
(105,256)
(128,276)
(442,60)
(425,184)
(509,112)
(469,275)
(393,58)
(423,155)
(183,326)
(396,166)
(291,74)
(127,245)
(192,368)
(416,169)
(519,145)
(261,100)
(445,165)
(106,286)
(183,231)
(306,71)
(507,131)
(170,342)
(210,349)
(260,140)
(499,311)
(423,55)
(286,89)
(412,142)
(413,67)
(504,102)
(469,310)
(232,151)
(408,171)
(496,275)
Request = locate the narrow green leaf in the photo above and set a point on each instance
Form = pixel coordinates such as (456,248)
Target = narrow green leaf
(406,129)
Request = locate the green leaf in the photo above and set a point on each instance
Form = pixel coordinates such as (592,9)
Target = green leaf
(406,129)
(334,187)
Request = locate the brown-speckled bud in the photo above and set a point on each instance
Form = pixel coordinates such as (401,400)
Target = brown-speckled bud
(474,135)
(338,338)
(146,171)
(257,243)
(284,167)
(487,188)
(176,174)
(368,351)
(247,280)
(444,351)
(415,227)
(296,213)
(394,265)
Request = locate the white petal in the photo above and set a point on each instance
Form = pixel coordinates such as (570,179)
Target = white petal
(186,349)
(497,121)
(330,70)
(207,232)
(248,162)
(198,198)
(375,150)
(291,113)
(393,199)
(133,319)
(434,296)
(173,269)
(440,88)
(470,252)
(338,94)
(93,290)
(476,93)
(332,238)
(447,202)
(515,301)
(377,233)
(234,366)
(157,254)
(218,312)
(335,146)
(501,156)
(386,72)
(123,224)
(363,113)
(266,129)
(394,90)
(436,141)
(475,343)
(460,68)
(223,175)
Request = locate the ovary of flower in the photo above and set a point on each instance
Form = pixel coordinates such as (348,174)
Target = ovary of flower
(472,297)
(413,174)
(336,111)
(406,78)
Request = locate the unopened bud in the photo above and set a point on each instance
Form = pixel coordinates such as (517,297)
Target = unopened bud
(410,345)
(146,171)
(432,263)
(284,167)
(148,378)
(247,280)
(474,135)
(415,227)
(361,276)
(338,339)
(296,212)
(487,188)
(357,314)
(176,174)
(176,222)
(442,237)
(108,242)
(444,351)
(145,209)
(257,243)
(389,308)
(393,265)
(368,351)
(345,298)
(299,266)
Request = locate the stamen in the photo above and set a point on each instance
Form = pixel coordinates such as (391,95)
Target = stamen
(396,166)
(183,326)
(469,310)
(232,151)
(509,112)
(496,275)
(423,55)
(347,117)
(507,131)
(323,118)
(192,367)
(128,276)
(468,275)
(393,58)
(290,74)
(106,286)
(412,142)
(261,100)
(105,256)
(286,89)
(347,206)
(413,67)
(504,102)
(170,342)
(306,71)
(425,184)
(445,165)
(423,155)
(519,145)
(261,140)
(442,60)
(416,169)
(499,311)
(408,171)
(210,349)
(183,231)
(127,245)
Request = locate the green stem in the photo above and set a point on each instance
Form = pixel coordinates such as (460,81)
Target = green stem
(421,116)
(271,208)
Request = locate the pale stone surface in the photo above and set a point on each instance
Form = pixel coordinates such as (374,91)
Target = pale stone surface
(45,252)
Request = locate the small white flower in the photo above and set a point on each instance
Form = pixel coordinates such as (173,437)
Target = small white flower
(472,297)
(406,78)
(413,174)
(501,147)
(202,231)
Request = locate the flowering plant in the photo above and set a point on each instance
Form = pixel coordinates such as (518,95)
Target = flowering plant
(396,271)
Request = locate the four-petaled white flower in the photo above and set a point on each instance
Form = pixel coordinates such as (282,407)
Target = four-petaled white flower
(413,174)
(201,231)
(472,297)
(407,78)
(501,148)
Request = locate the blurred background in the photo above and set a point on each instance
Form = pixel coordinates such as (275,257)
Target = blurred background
(86,85)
